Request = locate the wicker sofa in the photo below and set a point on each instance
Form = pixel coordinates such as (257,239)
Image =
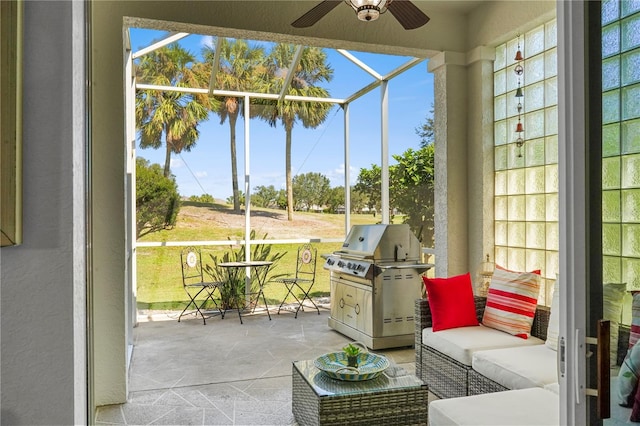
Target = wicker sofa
(448,378)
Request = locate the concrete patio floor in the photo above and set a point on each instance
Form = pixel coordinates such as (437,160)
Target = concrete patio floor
(224,373)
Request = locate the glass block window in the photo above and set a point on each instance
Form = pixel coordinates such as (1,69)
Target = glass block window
(526,180)
(621,142)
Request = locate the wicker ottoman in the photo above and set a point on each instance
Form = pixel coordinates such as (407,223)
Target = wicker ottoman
(320,400)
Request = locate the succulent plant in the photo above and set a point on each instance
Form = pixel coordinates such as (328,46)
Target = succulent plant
(351,350)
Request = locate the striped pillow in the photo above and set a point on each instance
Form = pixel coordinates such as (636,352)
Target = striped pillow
(512,301)
(635,319)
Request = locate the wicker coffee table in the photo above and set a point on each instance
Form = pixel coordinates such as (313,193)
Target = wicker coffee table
(393,398)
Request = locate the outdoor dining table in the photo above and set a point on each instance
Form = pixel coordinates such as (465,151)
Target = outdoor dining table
(246,269)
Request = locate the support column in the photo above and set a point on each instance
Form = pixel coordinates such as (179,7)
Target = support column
(463,118)
(450,193)
(384,152)
(347,171)
(480,165)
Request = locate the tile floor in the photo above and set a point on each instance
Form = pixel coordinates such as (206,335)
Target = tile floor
(223,373)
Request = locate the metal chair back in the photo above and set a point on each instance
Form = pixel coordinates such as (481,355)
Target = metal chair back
(304,278)
(192,272)
(306,265)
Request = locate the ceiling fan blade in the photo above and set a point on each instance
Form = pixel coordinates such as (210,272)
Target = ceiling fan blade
(315,14)
(408,14)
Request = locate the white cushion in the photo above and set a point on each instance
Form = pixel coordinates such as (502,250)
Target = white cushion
(518,368)
(554,387)
(534,406)
(460,343)
(553,329)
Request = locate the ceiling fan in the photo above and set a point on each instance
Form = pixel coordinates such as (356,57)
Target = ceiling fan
(408,14)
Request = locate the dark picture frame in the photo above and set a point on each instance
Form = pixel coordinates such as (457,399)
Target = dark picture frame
(10,122)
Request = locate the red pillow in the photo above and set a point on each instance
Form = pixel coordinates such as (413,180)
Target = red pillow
(451,302)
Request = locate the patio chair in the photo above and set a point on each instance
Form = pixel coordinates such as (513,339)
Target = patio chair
(194,284)
(303,280)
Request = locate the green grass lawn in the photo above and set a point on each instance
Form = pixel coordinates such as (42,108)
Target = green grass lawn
(159,279)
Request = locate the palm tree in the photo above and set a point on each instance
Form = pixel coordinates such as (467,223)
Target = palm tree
(311,70)
(238,71)
(175,115)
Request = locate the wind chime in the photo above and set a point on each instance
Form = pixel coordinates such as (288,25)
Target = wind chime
(519,70)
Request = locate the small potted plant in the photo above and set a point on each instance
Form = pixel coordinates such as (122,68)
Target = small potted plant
(352,352)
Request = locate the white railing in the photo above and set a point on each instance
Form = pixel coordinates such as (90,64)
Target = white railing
(235,242)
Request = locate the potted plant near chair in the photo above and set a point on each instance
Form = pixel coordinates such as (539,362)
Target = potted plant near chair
(235,280)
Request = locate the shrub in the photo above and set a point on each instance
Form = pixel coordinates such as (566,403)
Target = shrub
(204,198)
(157,199)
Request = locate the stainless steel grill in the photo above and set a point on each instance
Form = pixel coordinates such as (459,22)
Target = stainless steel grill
(375,279)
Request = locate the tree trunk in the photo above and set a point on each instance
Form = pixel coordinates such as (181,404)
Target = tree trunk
(288,130)
(233,118)
(167,159)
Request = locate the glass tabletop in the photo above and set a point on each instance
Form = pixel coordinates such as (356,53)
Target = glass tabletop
(392,378)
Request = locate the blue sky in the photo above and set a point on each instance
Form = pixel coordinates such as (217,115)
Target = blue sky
(207,167)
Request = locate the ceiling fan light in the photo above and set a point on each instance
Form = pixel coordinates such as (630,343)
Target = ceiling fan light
(368,13)
(355,4)
(368,10)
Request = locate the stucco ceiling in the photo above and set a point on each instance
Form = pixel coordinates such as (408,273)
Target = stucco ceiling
(456,26)
(271,20)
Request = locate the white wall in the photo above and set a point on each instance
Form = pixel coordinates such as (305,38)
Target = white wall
(42,288)
(498,21)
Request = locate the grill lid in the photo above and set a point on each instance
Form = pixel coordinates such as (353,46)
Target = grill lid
(381,243)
